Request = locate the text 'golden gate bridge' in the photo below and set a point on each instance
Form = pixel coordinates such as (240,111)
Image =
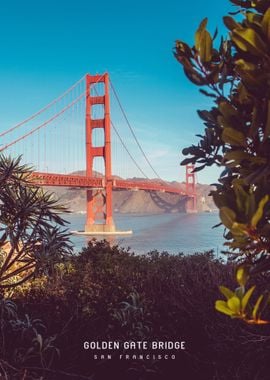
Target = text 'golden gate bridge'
(76,128)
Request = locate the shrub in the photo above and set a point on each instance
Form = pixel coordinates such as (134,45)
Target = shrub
(235,74)
(32,239)
(108,293)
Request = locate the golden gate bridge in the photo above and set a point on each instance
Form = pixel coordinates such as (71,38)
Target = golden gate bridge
(77,128)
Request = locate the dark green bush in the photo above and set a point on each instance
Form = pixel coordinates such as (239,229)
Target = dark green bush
(110,293)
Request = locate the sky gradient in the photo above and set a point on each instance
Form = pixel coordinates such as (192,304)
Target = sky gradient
(46,46)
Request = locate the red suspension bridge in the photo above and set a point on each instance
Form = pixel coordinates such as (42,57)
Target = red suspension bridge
(77,127)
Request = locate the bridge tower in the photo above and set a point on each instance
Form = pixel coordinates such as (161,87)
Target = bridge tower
(99,217)
(191,204)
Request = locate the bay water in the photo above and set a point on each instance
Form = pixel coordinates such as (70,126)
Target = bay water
(187,233)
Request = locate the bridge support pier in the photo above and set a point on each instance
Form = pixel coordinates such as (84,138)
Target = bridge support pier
(99,229)
(96,201)
(191,205)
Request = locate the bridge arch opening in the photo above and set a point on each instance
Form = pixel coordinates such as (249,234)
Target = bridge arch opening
(97,89)
(98,137)
(97,111)
(98,167)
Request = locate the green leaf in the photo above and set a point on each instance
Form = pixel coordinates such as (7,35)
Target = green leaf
(186,161)
(201,28)
(242,275)
(256,307)
(239,229)
(248,78)
(246,297)
(259,213)
(266,24)
(205,49)
(245,65)
(230,23)
(226,292)
(236,155)
(222,307)
(227,216)
(241,195)
(195,77)
(224,123)
(234,304)
(186,151)
(254,18)
(183,49)
(227,110)
(247,40)
(206,116)
(203,42)
(233,137)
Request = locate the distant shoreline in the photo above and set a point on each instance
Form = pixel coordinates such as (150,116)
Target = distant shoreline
(82,212)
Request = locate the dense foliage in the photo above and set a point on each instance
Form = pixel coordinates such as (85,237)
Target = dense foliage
(108,293)
(236,75)
(32,238)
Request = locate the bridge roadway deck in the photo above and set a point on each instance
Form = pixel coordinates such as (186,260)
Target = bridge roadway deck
(66,180)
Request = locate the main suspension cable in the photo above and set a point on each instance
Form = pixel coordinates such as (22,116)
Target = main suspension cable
(125,147)
(132,131)
(43,124)
(42,110)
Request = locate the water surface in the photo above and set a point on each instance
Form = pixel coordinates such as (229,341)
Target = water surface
(173,233)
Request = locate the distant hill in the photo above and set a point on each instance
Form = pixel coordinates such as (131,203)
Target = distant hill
(143,202)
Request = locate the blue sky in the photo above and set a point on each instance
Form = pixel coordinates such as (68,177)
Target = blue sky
(48,45)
